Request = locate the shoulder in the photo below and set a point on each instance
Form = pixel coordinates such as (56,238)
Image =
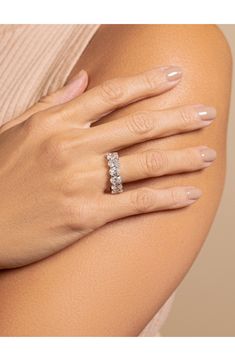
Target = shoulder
(201,50)
(182,37)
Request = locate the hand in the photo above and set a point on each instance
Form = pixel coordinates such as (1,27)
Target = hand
(54,176)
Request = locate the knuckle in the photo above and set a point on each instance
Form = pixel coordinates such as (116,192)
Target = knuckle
(53,151)
(56,146)
(50,119)
(142,200)
(72,182)
(111,91)
(187,117)
(191,159)
(175,196)
(154,162)
(43,122)
(83,143)
(31,125)
(151,78)
(71,214)
(77,216)
(140,122)
(64,114)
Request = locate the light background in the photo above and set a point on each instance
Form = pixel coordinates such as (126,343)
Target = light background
(205,300)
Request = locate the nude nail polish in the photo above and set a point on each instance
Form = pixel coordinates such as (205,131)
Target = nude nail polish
(78,79)
(74,87)
(193,193)
(205,112)
(208,155)
(173,73)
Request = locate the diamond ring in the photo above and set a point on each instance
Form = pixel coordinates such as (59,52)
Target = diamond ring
(114,172)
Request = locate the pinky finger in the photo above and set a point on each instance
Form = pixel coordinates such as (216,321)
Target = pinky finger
(74,87)
(146,200)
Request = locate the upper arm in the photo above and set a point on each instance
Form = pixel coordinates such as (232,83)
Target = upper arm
(114,280)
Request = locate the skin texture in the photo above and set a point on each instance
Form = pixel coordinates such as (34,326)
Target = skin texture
(48,197)
(113,281)
(21,237)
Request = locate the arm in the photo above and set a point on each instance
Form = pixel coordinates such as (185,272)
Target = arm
(113,281)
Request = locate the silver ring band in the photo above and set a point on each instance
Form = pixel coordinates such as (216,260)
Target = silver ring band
(114,172)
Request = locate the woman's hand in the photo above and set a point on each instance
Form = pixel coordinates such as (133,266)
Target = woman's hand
(54,179)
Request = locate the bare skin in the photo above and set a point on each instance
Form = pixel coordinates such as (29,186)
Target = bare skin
(115,279)
(49,198)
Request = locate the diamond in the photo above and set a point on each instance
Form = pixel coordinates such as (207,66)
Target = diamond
(111,156)
(117,188)
(113,171)
(116,180)
(113,163)
(113,180)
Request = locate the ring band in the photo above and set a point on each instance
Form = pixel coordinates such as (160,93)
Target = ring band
(114,172)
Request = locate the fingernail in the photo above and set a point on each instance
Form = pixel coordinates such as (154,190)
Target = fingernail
(193,193)
(74,87)
(206,113)
(78,78)
(208,155)
(173,73)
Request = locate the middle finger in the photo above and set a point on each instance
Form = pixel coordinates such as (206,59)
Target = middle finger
(147,125)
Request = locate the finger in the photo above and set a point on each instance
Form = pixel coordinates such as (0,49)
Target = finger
(74,87)
(116,93)
(146,125)
(145,200)
(156,163)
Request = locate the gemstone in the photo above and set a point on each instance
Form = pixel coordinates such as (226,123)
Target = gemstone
(113,163)
(113,171)
(111,156)
(117,188)
(116,180)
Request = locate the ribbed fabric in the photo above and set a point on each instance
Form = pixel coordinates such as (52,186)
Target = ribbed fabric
(36,60)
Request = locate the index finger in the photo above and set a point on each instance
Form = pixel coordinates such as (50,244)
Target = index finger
(118,92)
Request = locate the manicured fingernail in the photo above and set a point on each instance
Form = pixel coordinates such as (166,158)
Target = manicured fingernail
(208,155)
(173,73)
(193,193)
(206,113)
(78,79)
(74,87)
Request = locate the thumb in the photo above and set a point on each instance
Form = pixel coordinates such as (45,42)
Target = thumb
(74,87)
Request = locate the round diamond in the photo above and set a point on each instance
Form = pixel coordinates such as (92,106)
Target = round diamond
(113,180)
(113,163)
(116,188)
(113,171)
(111,156)
(116,180)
